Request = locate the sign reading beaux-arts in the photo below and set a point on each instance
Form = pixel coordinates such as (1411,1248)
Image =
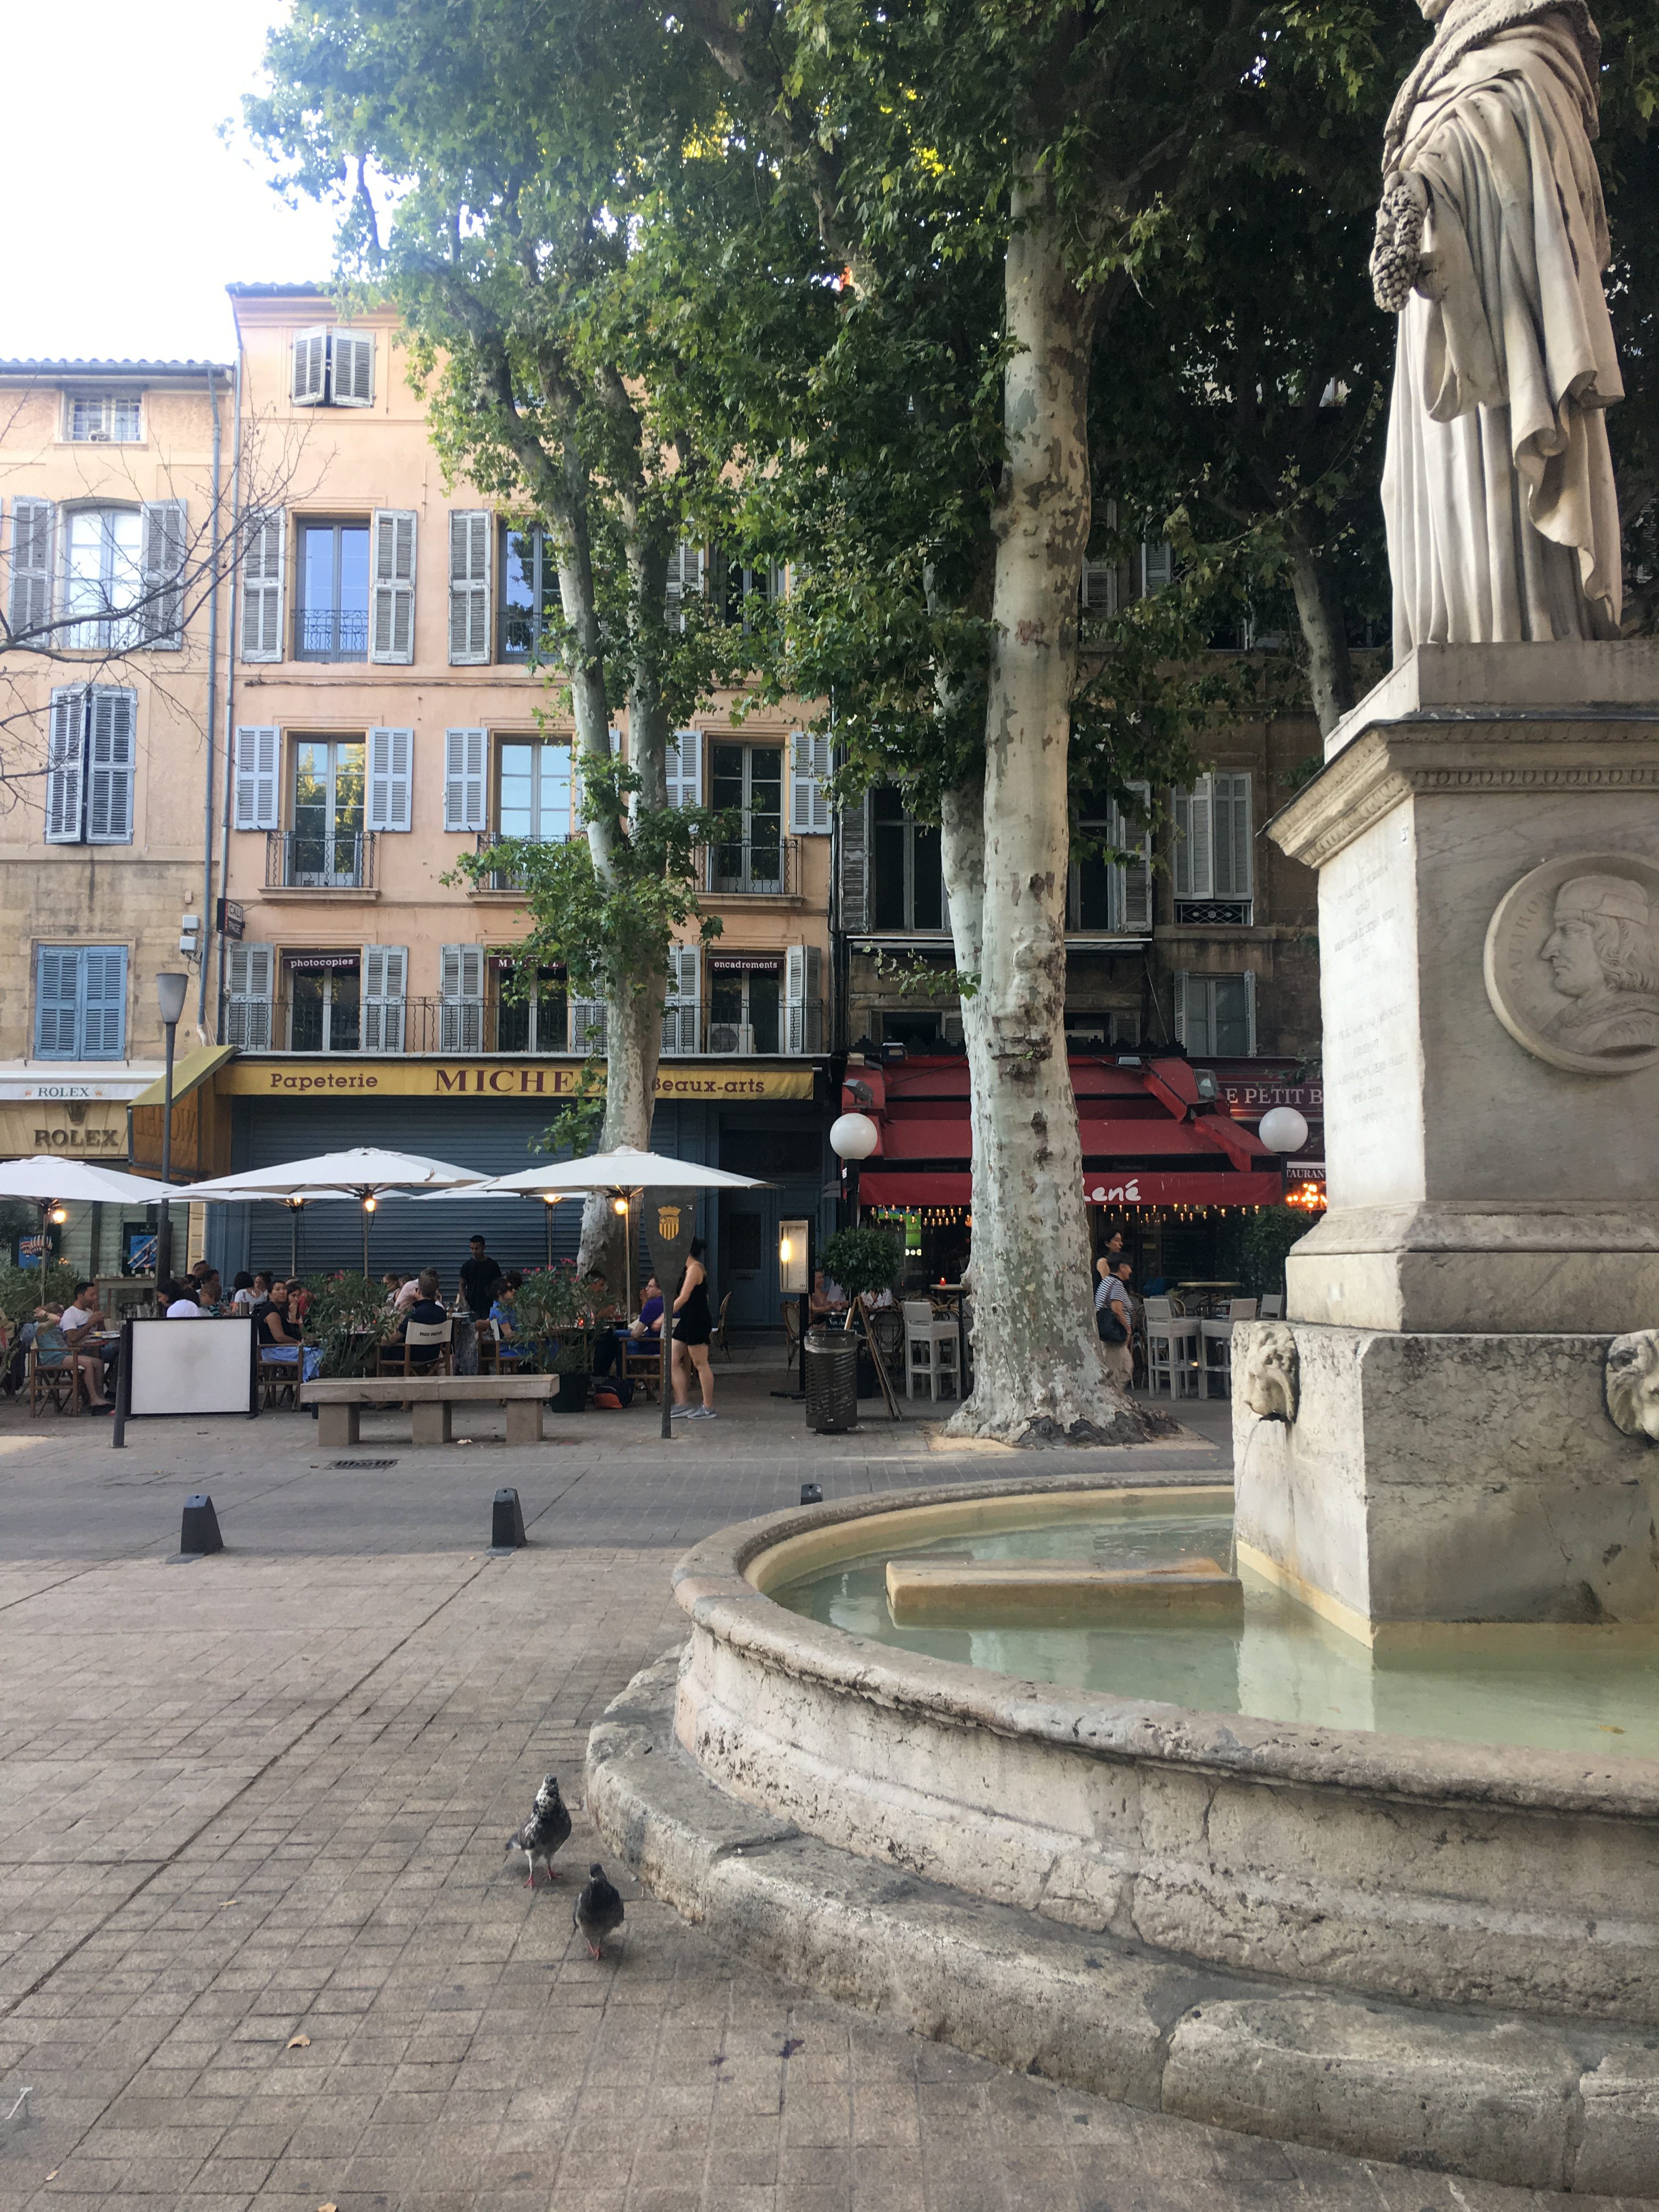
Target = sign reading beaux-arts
(489,1078)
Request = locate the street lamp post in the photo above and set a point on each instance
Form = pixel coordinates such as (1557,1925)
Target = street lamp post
(170,991)
(852,1139)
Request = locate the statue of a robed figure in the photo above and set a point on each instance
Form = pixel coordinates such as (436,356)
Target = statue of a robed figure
(1491,236)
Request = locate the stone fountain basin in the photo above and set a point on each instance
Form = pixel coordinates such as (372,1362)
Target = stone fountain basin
(1431,1872)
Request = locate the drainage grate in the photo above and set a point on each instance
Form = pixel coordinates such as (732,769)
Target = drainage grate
(363,1462)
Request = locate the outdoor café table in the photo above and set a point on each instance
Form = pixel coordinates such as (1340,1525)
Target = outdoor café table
(1208,1295)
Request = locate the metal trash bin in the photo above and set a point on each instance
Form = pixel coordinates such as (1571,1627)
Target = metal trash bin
(830,1357)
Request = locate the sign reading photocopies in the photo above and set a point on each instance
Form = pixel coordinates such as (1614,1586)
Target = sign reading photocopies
(186,1367)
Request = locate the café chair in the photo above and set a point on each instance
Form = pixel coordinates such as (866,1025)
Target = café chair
(930,1351)
(422,1338)
(1173,1349)
(55,1375)
(1218,1336)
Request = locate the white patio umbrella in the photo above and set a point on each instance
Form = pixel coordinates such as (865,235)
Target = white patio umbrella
(46,1181)
(364,1173)
(625,1171)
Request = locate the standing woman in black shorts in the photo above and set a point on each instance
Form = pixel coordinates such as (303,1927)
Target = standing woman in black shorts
(693,1327)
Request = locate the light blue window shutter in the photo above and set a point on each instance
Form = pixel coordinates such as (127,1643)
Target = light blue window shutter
(1135,877)
(161,571)
(265,542)
(351,368)
(391,756)
(683,767)
(803,993)
(28,605)
(1156,565)
(104,1001)
(391,636)
(680,1008)
(684,581)
(57,1002)
(248,976)
(310,385)
(258,753)
(810,813)
(385,970)
(66,765)
(464,763)
(461,988)
(112,722)
(470,534)
(1231,835)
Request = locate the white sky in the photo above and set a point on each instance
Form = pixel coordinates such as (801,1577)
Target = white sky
(134,216)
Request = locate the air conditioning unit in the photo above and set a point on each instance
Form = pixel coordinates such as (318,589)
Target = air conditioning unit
(951,1028)
(730,1037)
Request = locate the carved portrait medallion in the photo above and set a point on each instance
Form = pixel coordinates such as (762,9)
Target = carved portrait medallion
(1572,962)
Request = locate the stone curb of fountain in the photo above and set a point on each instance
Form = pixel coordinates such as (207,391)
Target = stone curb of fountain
(1491,2096)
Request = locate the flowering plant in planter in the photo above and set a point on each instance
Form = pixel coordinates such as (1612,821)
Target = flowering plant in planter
(554,1315)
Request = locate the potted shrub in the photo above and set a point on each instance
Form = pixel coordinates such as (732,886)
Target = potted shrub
(554,1319)
(349,1319)
(864,1261)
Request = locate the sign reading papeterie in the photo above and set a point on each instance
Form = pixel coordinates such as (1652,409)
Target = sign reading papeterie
(716,1081)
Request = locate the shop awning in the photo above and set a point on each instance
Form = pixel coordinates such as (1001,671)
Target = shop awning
(192,1068)
(920,1187)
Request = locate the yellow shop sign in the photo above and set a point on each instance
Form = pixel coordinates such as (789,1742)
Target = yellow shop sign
(295,1077)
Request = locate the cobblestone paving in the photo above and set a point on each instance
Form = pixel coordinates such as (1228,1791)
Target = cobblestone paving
(263,1798)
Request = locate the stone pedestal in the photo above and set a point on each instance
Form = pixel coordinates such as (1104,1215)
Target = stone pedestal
(1492,1149)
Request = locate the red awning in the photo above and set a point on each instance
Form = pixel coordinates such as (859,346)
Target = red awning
(919,1187)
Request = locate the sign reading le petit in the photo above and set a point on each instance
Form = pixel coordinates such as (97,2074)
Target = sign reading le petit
(491,1079)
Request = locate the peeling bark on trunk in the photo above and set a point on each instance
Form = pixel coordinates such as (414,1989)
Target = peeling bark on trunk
(1039,1374)
(1319,609)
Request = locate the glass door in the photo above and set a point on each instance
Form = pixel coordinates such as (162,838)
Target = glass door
(746,782)
(325,844)
(325,1004)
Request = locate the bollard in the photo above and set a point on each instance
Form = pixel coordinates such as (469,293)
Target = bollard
(199,1533)
(811,1493)
(507,1523)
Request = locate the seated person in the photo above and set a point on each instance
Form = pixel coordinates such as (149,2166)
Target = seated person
(299,1300)
(53,1350)
(409,1292)
(426,1308)
(210,1292)
(827,1297)
(85,1318)
(650,1321)
(243,1297)
(178,1301)
(606,1359)
(504,1314)
(279,1332)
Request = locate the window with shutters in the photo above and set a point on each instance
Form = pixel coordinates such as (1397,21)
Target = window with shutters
(103,578)
(588,1028)
(1215,1015)
(390,779)
(746,784)
(682,1007)
(471,530)
(80,1002)
(811,814)
(907,888)
(683,768)
(1108,582)
(461,998)
(1213,851)
(162,606)
(91,757)
(742,589)
(249,972)
(103,418)
(331,595)
(531,611)
(385,995)
(29,593)
(392,631)
(333,368)
(264,553)
(1107,894)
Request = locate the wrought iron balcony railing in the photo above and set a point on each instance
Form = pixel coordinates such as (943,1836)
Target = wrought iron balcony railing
(465,1028)
(315,861)
(762,865)
(326,634)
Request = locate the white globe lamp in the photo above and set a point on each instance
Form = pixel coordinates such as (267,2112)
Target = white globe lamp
(1283,1130)
(854,1137)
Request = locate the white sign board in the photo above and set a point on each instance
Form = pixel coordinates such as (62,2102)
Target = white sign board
(190,1367)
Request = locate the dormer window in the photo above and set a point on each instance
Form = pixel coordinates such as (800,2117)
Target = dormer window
(103,418)
(333,368)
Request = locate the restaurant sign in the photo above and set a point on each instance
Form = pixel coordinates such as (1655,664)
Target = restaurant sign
(1246,1100)
(717,1081)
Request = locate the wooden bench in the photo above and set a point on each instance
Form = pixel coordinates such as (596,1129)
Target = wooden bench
(340,1403)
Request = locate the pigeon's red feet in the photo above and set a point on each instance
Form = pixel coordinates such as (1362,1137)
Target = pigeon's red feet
(530,1884)
(594,1951)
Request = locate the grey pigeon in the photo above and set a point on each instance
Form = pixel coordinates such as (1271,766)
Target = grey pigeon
(545,1830)
(599,1911)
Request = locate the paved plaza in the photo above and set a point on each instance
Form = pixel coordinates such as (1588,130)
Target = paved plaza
(259,1945)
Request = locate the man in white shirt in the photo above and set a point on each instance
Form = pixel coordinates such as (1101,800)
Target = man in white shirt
(81,1318)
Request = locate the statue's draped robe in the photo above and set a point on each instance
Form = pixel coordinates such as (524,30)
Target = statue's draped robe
(1497,489)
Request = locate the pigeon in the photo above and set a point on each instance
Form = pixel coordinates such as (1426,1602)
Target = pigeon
(599,1911)
(545,1830)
